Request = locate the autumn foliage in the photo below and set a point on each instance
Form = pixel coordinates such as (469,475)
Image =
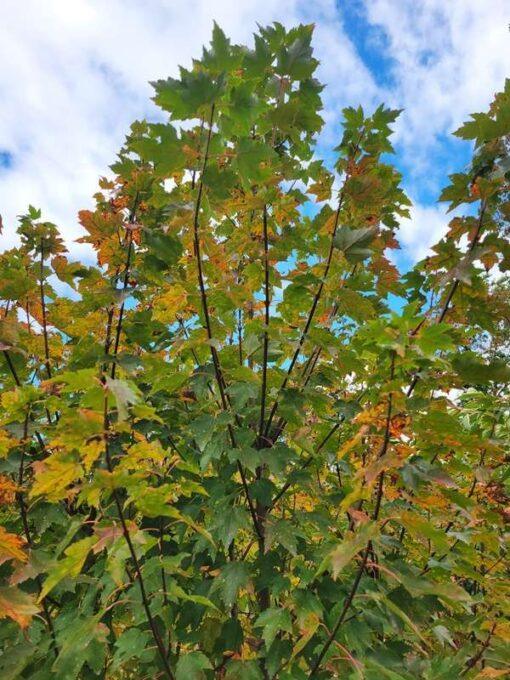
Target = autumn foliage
(244,445)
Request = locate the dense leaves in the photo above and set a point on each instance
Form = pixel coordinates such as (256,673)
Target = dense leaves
(244,445)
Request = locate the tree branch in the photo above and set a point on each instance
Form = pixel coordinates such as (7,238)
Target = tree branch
(309,319)
(446,306)
(43,310)
(26,530)
(368,548)
(109,463)
(207,320)
(266,328)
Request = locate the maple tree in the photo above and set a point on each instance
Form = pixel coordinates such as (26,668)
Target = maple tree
(244,445)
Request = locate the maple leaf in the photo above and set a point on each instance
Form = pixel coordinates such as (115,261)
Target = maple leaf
(17,605)
(11,547)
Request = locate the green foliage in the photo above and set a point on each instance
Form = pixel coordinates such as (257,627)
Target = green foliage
(232,454)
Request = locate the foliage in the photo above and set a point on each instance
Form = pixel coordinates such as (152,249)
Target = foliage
(243,445)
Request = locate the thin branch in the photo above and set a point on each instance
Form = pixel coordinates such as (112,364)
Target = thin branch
(207,320)
(125,282)
(26,530)
(43,309)
(446,306)
(450,524)
(267,303)
(368,548)
(306,463)
(311,314)
(471,663)
(134,558)
(310,364)
(18,384)
(120,512)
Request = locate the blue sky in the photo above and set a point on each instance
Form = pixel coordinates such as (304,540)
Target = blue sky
(75,74)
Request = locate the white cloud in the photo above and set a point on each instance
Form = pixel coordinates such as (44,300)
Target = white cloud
(75,74)
(78,76)
(449,58)
(425,226)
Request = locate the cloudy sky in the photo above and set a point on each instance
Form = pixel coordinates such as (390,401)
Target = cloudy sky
(74,74)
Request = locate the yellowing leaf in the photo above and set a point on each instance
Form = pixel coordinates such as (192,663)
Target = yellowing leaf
(70,566)
(167,305)
(7,490)
(490,672)
(310,625)
(17,605)
(6,443)
(11,547)
(348,549)
(54,475)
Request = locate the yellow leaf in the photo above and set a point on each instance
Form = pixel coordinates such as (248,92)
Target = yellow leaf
(6,443)
(490,672)
(54,475)
(169,303)
(351,443)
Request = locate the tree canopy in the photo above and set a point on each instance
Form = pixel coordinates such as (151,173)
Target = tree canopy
(244,445)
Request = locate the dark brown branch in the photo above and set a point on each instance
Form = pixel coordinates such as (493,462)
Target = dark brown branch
(310,365)
(446,306)
(311,314)
(127,270)
(306,464)
(266,328)
(26,530)
(471,663)
(43,311)
(109,464)
(207,321)
(368,548)
(11,367)
(450,524)
(18,384)
(134,558)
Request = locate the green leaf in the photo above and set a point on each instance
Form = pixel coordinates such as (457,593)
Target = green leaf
(233,576)
(229,522)
(187,97)
(82,642)
(475,371)
(273,621)
(296,60)
(354,242)
(243,670)
(133,643)
(163,246)
(434,338)
(423,586)
(68,567)
(423,529)
(192,666)
(283,532)
(252,161)
(345,551)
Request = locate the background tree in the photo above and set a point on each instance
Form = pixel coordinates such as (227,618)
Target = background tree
(246,446)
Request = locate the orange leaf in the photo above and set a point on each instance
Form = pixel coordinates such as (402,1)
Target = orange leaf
(17,605)
(11,547)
